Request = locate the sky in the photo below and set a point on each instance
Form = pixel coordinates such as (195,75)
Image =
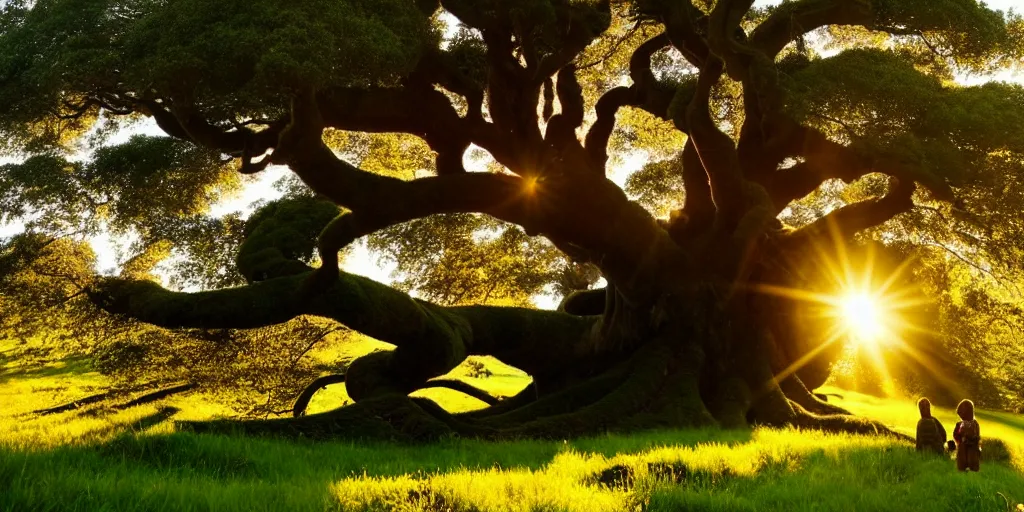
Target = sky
(361,261)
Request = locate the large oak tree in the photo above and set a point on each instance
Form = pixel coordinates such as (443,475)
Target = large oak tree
(747,113)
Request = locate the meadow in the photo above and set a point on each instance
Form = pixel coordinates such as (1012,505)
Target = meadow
(98,459)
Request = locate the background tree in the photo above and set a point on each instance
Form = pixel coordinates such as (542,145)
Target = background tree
(749,130)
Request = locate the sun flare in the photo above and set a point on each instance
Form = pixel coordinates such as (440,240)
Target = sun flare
(867,305)
(862,318)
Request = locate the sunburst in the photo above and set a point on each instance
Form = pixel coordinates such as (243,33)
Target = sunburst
(861,307)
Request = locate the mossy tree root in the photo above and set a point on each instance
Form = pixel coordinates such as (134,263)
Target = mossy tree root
(302,401)
(656,387)
(842,423)
(796,391)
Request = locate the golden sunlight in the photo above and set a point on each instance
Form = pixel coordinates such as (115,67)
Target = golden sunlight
(862,317)
(530,184)
(864,304)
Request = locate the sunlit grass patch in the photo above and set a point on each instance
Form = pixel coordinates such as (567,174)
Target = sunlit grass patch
(901,415)
(670,474)
(98,458)
(561,485)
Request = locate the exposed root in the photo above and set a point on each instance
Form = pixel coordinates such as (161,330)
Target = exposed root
(159,394)
(462,387)
(795,390)
(841,423)
(562,402)
(657,387)
(302,402)
(521,399)
(387,418)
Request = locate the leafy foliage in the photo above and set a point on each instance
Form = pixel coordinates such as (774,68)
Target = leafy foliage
(234,59)
(72,72)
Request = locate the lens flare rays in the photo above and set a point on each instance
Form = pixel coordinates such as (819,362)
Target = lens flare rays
(857,302)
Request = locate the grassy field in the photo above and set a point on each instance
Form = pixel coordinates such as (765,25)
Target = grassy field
(133,460)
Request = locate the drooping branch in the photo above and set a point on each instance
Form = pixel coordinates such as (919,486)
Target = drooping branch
(182,121)
(439,337)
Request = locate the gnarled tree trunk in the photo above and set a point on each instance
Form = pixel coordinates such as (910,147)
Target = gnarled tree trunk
(683,335)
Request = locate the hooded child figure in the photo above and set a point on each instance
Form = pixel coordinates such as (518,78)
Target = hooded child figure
(931,435)
(967,435)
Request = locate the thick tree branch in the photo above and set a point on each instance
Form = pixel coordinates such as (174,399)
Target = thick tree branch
(844,222)
(561,130)
(699,207)
(600,132)
(441,71)
(598,218)
(418,110)
(645,92)
(575,38)
(651,95)
(825,159)
(388,202)
(723,23)
(431,337)
(684,24)
(716,150)
(183,122)
(640,62)
(794,19)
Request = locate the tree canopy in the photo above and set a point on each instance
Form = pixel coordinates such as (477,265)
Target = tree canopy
(474,144)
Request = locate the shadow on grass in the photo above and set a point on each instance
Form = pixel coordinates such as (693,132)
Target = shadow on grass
(71,365)
(218,456)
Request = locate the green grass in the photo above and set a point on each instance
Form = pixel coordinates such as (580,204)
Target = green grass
(133,460)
